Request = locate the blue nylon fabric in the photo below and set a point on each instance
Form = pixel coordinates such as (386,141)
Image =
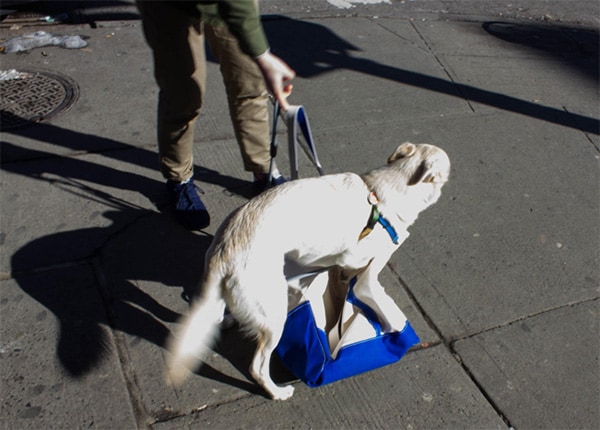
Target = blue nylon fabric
(368,355)
(305,129)
(304,349)
(388,227)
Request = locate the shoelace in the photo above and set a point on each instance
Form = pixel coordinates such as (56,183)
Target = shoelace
(190,192)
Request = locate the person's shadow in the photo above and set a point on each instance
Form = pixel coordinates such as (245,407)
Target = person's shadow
(313,49)
(68,140)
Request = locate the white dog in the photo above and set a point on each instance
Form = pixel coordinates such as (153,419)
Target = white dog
(343,220)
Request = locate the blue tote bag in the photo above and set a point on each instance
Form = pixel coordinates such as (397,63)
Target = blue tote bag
(364,337)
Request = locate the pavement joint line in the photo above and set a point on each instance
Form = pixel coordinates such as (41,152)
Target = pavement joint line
(474,379)
(444,68)
(89,260)
(587,134)
(424,16)
(404,40)
(429,51)
(199,409)
(481,388)
(448,344)
(452,341)
(129,376)
(432,325)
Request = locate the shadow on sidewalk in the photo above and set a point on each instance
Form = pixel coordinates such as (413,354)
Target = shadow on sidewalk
(312,49)
(143,275)
(75,11)
(152,253)
(577,48)
(82,143)
(138,259)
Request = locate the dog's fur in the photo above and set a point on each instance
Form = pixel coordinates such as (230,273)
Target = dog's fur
(316,223)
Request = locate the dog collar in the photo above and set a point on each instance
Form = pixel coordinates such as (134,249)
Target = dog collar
(377,217)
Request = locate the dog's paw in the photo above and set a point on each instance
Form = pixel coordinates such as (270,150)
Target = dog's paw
(282,393)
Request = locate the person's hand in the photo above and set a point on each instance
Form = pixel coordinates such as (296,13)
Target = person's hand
(277,76)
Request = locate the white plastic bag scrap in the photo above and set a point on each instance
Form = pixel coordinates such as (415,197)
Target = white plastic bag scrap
(12,74)
(27,42)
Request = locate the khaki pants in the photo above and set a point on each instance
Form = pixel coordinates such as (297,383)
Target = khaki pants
(175,34)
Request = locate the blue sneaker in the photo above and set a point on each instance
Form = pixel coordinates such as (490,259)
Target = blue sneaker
(186,204)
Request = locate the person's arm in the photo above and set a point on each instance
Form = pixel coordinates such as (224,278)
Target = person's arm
(243,21)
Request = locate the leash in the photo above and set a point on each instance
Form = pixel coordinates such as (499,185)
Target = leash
(274,143)
(377,217)
(295,119)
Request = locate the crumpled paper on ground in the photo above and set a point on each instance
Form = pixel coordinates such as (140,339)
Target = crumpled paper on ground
(27,42)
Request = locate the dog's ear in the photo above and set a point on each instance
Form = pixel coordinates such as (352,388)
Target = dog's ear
(427,172)
(405,150)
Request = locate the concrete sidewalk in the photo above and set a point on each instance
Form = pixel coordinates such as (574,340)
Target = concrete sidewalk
(500,278)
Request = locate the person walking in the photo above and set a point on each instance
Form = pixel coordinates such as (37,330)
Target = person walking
(175,32)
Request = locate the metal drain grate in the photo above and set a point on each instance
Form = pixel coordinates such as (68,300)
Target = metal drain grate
(28,97)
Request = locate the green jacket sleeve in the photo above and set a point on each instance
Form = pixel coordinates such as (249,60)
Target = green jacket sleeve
(242,20)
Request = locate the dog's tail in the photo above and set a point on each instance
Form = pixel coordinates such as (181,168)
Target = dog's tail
(198,331)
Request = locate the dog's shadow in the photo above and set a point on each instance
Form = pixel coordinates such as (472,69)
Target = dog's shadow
(177,257)
(238,349)
(122,281)
(118,274)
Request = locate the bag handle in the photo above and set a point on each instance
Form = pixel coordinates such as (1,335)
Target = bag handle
(370,314)
(295,117)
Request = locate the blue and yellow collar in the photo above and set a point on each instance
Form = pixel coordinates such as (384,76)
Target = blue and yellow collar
(377,217)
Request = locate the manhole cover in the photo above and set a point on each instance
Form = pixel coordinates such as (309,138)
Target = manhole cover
(28,97)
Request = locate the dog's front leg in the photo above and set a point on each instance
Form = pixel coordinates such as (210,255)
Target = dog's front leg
(373,294)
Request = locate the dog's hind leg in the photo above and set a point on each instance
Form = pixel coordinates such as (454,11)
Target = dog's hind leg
(266,322)
(267,341)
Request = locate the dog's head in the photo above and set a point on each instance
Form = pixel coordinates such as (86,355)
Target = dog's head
(420,172)
(423,163)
